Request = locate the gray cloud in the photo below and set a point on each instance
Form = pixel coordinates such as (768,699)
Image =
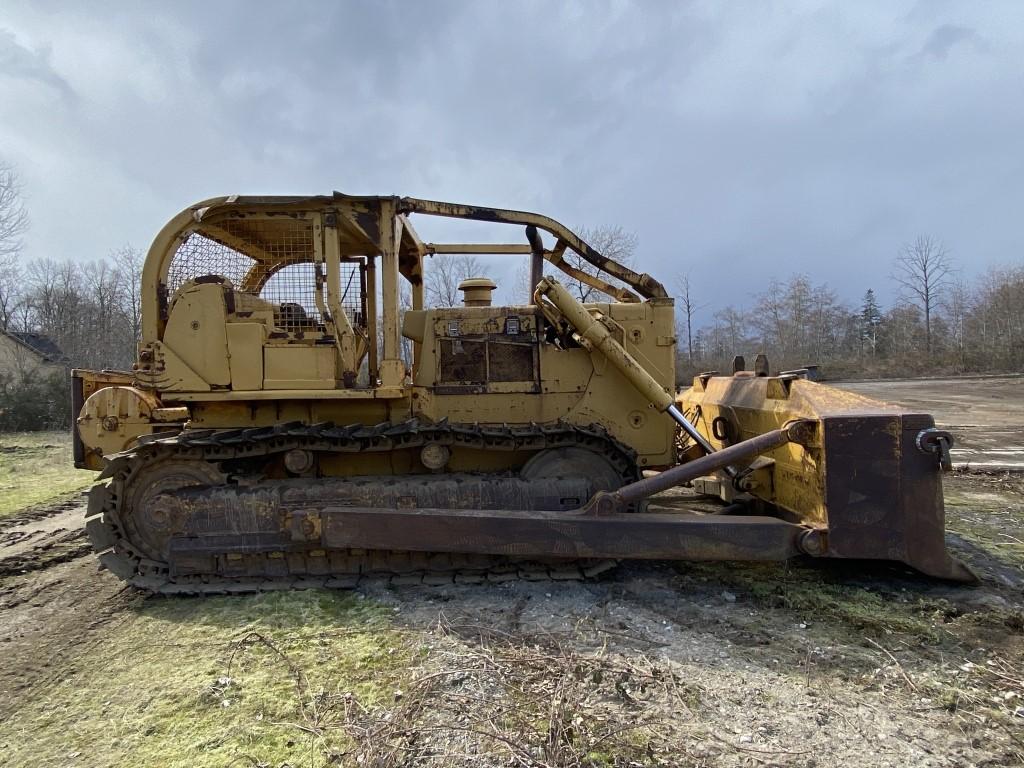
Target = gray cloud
(946,37)
(20,62)
(740,142)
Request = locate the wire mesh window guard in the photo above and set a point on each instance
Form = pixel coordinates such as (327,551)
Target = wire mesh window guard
(270,258)
(293,290)
(199,256)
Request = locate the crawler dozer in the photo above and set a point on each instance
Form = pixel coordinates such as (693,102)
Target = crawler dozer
(298,416)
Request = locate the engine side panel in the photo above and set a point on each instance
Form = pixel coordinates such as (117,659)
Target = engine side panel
(495,365)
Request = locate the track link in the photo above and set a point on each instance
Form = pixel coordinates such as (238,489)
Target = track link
(266,571)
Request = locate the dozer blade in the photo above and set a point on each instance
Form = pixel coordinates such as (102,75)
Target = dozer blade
(869,482)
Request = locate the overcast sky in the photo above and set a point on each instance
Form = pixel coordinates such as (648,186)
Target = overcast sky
(739,141)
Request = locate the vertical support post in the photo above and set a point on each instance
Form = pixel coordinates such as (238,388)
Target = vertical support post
(418,300)
(392,367)
(372,310)
(416,251)
(345,337)
(320,288)
(536,259)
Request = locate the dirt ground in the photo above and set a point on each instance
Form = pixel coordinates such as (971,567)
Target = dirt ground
(984,414)
(799,664)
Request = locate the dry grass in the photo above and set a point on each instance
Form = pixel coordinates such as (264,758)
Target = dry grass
(485,698)
(987,509)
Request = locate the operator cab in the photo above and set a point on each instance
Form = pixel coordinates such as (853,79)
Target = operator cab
(248,309)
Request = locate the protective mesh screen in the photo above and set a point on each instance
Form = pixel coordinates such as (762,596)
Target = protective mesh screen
(293,290)
(249,252)
(199,256)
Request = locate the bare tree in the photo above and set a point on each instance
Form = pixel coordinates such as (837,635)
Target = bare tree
(923,271)
(903,338)
(524,281)
(770,318)
(13,216)
(731,325)
(13,224)
(995,324)
(957,306)
(22,313)
(689,306)
(128,264)
(611,242)
(443,275)
(10,294)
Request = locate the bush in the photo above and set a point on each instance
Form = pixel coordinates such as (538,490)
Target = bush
(34,401)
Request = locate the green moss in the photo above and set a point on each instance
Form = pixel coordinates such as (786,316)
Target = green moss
(36,467)
(188,682)
(600,759)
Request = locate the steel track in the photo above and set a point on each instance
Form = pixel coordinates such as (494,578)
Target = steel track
(238,572)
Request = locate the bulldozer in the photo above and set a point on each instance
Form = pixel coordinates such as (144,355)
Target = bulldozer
(298,416)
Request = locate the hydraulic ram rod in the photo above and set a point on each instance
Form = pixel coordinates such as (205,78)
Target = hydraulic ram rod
(689,429)
(597,337)
(798,431)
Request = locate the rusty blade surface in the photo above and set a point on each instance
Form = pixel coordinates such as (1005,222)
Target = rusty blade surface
(562,534)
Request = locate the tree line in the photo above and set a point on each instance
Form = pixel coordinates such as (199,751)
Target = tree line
(938,324)
(89,311)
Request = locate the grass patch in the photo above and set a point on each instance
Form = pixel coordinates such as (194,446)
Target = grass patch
(870,612)
(36,467)
(804,592)
(187,682)
(988,510)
